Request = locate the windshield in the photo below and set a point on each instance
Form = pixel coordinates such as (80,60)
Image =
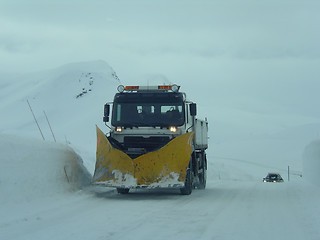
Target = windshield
(148,109)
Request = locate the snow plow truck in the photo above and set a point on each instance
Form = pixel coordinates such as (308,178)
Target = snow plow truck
(155,141)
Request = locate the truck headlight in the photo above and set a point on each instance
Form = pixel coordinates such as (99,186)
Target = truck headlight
(173,129)
(118,129)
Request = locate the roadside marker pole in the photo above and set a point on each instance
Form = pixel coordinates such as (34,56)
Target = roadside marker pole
(49,126)
(35,119)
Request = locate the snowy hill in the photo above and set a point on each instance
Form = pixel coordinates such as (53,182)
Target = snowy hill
(274,146)
(71,96)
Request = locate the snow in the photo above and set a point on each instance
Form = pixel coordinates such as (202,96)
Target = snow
(171,180)
(251,66)
(122,180)
(45,185)
(311,162)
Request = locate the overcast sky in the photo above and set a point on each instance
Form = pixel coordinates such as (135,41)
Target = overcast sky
(256,56)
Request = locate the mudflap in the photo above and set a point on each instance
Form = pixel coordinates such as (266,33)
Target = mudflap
(163,168)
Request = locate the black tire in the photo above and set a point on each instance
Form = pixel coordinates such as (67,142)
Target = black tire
(203,174)
(187,189)
(123,190)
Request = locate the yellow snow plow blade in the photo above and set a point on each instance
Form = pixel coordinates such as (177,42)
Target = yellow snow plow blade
(163,168)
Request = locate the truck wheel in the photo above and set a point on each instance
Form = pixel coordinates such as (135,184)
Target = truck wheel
(123,190)
(203,175)
(187,189)
(203,179)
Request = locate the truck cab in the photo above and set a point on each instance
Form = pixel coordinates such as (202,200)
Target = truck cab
(146,119)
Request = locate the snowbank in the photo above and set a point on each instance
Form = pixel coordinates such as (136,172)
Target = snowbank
(31,168)
(311,162)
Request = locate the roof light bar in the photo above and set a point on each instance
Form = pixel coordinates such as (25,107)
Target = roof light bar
(165,87)
(174,88)
(130,88)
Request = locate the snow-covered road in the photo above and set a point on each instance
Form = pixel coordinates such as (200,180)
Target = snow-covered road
(39,201)
(225,210)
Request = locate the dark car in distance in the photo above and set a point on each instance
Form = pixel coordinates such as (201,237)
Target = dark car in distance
(273,177)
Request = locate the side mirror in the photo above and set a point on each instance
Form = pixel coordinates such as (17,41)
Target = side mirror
(193,109)
(106,113)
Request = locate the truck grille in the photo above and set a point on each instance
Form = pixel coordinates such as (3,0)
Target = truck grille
(149,144)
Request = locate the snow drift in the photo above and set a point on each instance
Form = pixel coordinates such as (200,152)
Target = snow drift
(311,162)
(31,169)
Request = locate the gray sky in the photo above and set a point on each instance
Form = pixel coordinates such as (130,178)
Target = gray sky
(256,56)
